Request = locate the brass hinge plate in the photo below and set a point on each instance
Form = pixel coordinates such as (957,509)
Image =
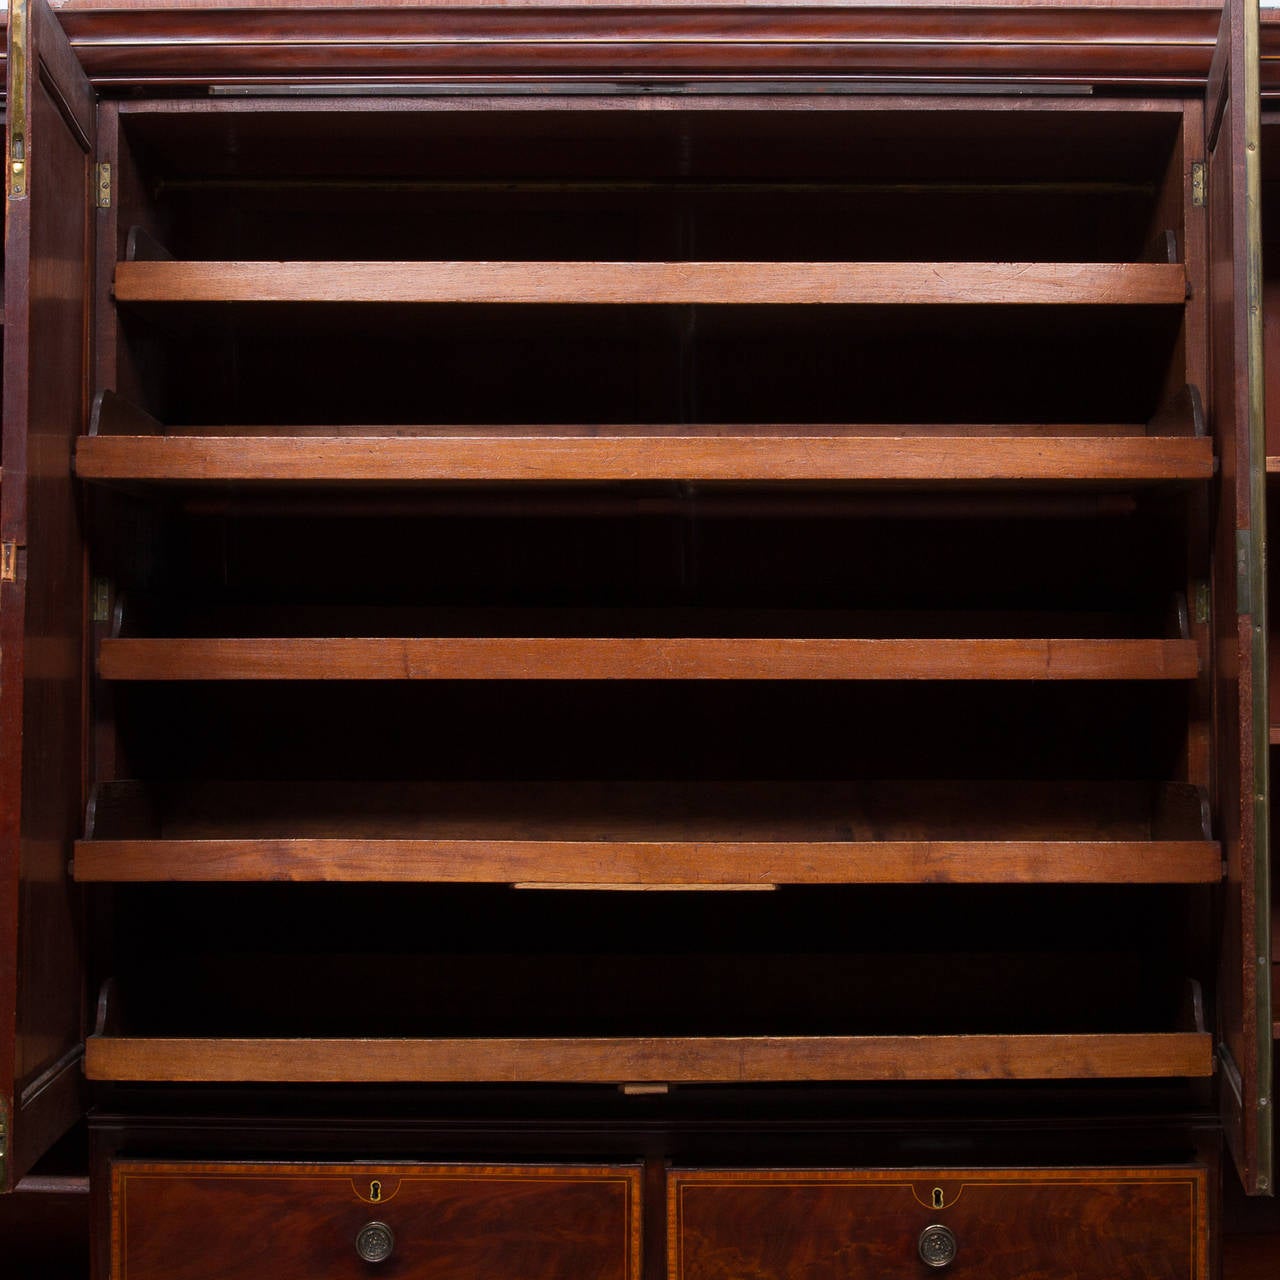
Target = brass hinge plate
(1198,183)
(1202,602)
(1244,571)
(17,157)
(9,561)
(104,186)
(101,600)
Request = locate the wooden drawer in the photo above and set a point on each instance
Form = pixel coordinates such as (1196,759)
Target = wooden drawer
(301,1221)
(1024,1224)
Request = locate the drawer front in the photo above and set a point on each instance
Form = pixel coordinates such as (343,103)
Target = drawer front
(1023,1224)
(306,1222)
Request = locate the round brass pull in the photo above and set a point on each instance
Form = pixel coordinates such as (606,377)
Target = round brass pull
(937,1246)
(375,1242)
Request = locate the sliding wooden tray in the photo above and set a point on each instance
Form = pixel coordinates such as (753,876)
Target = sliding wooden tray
(755,452)
(845,283)
(680,1059)
(126,443)
(643,658)
(633,835)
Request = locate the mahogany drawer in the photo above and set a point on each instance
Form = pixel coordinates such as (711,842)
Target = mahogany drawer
(301,1221)
(1019,1224)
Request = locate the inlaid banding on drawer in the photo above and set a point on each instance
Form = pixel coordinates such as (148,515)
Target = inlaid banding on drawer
(998,1224)
(181,1221)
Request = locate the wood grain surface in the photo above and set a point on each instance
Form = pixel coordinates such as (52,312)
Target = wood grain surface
(631,862)
(864,283)
(1090,1224)
(300,1221)
(691,1060)
(1089,41)
(650,658)
(47,300)
(777,453)
(638,834)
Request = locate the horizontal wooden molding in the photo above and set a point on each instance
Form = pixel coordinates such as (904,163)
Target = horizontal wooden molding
(193,42)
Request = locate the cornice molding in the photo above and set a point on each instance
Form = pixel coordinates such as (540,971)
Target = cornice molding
(194,43)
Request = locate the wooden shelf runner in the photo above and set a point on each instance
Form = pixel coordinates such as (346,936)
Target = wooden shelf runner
(643,658)
(846,283)
(633,835)
(723,453)
(691,1060)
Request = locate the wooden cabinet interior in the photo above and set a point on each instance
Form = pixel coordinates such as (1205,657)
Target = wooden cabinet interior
(732,494)
(629,645)
(650,589)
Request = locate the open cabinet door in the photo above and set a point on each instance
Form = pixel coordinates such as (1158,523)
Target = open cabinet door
(49,169)
(1239,591)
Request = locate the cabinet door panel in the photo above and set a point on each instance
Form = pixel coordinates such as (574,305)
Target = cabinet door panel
(47,257)
(1240,693)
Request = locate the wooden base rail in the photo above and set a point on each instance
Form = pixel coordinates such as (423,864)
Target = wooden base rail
(843,283)
(645,658)
(676,1060)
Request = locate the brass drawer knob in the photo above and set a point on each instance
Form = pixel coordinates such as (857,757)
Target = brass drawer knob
(375,1242)
(937,1246)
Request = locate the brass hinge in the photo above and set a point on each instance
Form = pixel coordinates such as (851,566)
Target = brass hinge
(104,186)
(1244,571)
(9,561)
(1198,183)
(17,99)
(101,600)
(1202,602)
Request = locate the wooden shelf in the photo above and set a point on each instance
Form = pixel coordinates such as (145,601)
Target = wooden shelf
(834,453)
(845,283)
(691,1060)
(643,658)
(634,835)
